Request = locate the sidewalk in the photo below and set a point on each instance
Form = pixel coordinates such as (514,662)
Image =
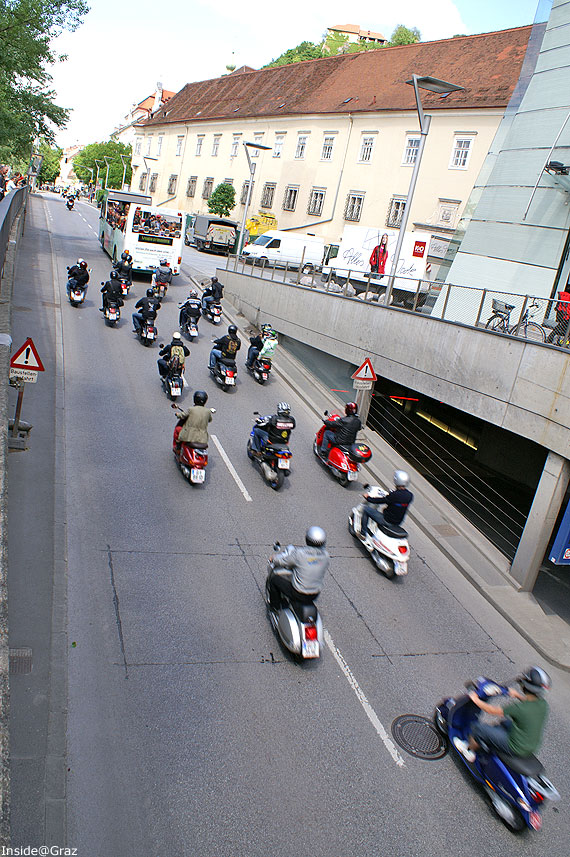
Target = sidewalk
(461,543)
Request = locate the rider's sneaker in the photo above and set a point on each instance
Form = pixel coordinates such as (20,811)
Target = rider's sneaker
(463,748)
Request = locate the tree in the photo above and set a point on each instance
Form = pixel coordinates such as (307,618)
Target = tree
(27,107)
(94,152)
(304,51)
(222,200)
(404,36)
(51,160)
(337,43)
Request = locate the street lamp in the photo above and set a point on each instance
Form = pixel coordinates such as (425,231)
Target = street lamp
(97,176)
(249,189)
(122,157)
(90,170)
(107,160)
(432,84)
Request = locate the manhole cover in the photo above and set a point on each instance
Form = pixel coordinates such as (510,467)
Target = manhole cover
(20,661)
(418,736)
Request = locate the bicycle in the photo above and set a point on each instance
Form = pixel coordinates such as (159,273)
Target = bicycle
(526,328)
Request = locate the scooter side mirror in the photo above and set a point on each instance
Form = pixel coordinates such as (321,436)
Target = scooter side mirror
(256,413)
(213,410)
(276,545)
(326,413)
(366,486)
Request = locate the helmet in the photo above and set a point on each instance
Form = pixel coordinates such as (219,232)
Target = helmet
(83,264)
(149,293)
(316,537)
(164,261)
(129,258)
(114,275)
(176,335)
(284,408)
(265,329)
(200,397)
(351,408)
(213,280)
(535,680)
(232,330)
(193,293)
(124,256)
(401,479)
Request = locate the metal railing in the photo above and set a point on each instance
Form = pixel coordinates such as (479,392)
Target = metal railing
(9,208)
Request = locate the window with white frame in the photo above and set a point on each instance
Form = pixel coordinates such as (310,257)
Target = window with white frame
(411,151)
(153,181)
(244,187)
(461,153)
(191,186)
(316,200)
(199,142)
(447,210)
(159,145)
(148,144)
(328,144)
(229,181)
(179,144)
(235,145)
(216,145)
(258,140)
(354,205)
(366,148)
(172,182)
(208,188)
(268,194)
(142,181)
(278,147)
(290,197)
(301,146)
(395,211)
(138,145)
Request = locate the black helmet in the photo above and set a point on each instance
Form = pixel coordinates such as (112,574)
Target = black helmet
(200,397)
(232,330)
(124,255)
(149,293)
(316,537)
(535,680)
(114,275)
(214,280)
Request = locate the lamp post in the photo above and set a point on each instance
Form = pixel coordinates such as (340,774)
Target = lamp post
(249,189)
(124,169)
(432,84)
(97,176)
(107,160)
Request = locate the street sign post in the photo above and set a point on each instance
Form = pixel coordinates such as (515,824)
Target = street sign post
(363,381)
(24,367)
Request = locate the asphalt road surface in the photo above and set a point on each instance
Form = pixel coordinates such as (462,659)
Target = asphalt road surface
(190,732)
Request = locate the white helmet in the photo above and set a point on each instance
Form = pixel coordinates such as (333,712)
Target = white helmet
(401,479)
(176,335)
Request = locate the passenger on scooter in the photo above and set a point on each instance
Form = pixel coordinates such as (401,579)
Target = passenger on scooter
(305,569)
(194,422)
(274,428)
(212,293)
(397,503)
(163,274)
(172,356)
(77,276)
(341,432)
(520,732)
(262,346)
(226,346)
(124,267)
(111,292)
(190,309)
(149,306)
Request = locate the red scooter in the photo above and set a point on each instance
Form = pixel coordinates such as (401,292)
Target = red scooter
(343,461)
(191,458)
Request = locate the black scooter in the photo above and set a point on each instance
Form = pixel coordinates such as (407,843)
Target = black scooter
(273,458)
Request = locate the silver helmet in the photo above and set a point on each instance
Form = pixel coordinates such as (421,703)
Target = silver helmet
(401,479)
(316,537)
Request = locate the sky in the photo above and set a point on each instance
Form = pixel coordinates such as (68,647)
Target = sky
(122,49)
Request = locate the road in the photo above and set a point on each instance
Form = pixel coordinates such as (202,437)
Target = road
(189,730)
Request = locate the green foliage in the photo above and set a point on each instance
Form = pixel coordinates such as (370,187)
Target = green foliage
(337,43)
(51,160)
(222,200)
(27,108)
(404,36)
(94,152)
(304,51)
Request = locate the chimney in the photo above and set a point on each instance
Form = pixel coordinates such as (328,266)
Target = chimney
(157,97)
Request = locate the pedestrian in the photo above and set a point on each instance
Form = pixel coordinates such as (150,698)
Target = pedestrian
(3,180)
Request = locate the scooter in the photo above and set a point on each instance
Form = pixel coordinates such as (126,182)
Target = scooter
(273,459)
(386,543)
(192,459)
(112,313)
(77,295)
(343,461)
(190,328)
(147,332)
(173,382)
(159,290)
(224,373)
(125,286)
(213,312)
(516,787)
(70,203)
(298,626)
(260,369)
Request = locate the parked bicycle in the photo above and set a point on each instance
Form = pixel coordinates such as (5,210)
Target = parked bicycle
(525,327)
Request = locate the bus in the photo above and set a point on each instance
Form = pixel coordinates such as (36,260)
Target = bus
(130,222)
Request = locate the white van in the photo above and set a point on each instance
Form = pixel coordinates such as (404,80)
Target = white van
(282,248)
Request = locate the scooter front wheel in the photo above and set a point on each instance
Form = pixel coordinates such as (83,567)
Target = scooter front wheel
(343,480)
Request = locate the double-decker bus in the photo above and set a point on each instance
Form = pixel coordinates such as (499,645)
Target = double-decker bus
(130,222)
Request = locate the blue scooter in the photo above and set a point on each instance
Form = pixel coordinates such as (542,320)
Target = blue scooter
(515,785)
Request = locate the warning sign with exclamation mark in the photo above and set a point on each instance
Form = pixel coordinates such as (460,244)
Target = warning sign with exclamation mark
(26,362)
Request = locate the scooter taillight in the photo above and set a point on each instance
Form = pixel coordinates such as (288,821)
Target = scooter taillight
(536,796)
(229,373)
(310,632)
(403,549)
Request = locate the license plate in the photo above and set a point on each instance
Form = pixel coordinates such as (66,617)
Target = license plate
(230,380)
(401,568)
(264,376)
(283,463)
(150,334)
(78,296)
(176,391)
(310,648)
(352,475)
(197,475)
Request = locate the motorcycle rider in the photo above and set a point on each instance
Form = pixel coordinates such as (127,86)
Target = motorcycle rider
(212,293)
(163,274)
(275,428)
(226,346)
(341,432)
(175,351)
(305,569)
(263,345)
(149,306)
(397,503)
(190,309)
(124,267)
(77,276)
(194,422)
(111,292)
(520,731)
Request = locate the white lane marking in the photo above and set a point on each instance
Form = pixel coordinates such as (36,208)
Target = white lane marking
(231,468)
(369,711)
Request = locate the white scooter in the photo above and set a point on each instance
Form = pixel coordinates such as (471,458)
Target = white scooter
(386,543)
(298,626)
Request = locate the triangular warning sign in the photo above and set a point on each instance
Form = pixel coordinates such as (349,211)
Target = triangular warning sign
(365,372)
(27,357)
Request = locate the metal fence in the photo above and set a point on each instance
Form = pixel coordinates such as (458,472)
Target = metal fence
(534,318)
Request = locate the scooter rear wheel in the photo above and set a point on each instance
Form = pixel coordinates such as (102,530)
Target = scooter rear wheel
(343,480)
(250,454)
(278,481)
(440,722)
(510,816)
